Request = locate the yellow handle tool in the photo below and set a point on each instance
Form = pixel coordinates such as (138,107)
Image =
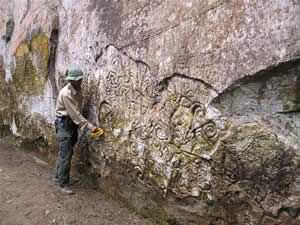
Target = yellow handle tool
(98,132)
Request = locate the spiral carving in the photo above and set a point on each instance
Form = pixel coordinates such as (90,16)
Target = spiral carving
(161,133)
(210,129)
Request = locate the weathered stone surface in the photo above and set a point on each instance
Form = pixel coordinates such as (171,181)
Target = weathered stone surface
(199,101)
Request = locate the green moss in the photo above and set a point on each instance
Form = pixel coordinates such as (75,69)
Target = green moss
(40,46)
(4,131)
(22,50)
(2,71)
(29,78)
(288,98)
(172,221)
(34,126)
(5,99)
(292,129)
(157,215)
(125,201)
(26,82)
(92,181)
(41,142)
(204,198)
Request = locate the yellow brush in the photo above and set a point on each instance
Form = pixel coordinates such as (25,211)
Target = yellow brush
(98,132)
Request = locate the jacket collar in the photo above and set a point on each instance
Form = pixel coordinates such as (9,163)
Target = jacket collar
(73,90)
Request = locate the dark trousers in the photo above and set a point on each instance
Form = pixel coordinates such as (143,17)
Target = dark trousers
(66,133)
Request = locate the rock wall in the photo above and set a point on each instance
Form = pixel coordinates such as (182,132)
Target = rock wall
(199,101)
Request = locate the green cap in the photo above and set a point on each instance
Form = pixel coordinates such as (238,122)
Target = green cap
(75,74)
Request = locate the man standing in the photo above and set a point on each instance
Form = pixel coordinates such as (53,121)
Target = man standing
(68,120)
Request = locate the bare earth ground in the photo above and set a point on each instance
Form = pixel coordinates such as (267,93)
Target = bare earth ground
(29,197)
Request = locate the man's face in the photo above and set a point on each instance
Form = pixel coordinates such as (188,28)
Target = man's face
(76,84)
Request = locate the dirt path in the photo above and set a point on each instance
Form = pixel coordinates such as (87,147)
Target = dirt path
(29,197)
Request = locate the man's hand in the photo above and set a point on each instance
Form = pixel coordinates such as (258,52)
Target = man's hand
(94,129)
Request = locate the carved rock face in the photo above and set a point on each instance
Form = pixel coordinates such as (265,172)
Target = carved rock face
(199,100)
(218,150)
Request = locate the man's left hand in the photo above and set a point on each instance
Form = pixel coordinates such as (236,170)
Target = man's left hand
(94,129)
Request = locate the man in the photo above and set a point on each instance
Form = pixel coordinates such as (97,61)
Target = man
(68,120)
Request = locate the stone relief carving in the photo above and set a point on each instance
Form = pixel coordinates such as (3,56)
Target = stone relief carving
(180,143)
(165,140)
(130,85)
